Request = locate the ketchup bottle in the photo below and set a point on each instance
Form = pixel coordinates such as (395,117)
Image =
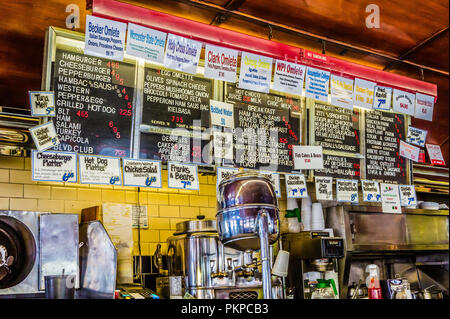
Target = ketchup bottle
(374,289)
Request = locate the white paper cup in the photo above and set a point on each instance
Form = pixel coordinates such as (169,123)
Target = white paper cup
(280,268)
(317,220)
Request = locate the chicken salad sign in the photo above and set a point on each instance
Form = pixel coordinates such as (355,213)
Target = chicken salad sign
(142,173)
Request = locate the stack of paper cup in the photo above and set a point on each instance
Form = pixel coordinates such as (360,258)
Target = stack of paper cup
(294,225)
(280,268)
(317,220)
(306,213)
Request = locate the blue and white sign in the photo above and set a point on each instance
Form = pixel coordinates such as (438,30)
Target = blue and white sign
(100,170)
(416,136)
(224,172)
(146,43)
(407,195)
(105,38)
(53,166)
(382,98)
(44,136)
(371,191)
(255,73)
(404,102)
(317,84)
(220,63)
(347,190)
(182,54)
(296,186)
(141,173)
(342,92)
(42,103)
(289,77)
(275,179)
(222,114)
(183,176)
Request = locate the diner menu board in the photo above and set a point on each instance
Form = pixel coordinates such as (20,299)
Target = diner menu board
(174,99)
(93,100)
(340,167)
(336,128)
(255,148)
(173,148)
(384,130)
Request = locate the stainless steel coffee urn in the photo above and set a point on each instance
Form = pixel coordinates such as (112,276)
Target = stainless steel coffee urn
(248,218)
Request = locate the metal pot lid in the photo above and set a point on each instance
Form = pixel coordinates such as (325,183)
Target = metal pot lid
(243,175)
(195,226)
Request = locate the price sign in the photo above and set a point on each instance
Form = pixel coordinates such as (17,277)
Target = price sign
(435,153)
(146,43)
(255,72)
(141,173)
(288,77)
(342,92)
(363,93)
(44,136)
(220,63)
(382,98)
(416,136)
(324,187)
(408,195)
(296,186)
(182,54)
(224,172)
(371,191)
(183,176)
(317,84)
(100,170)
(408,151)
(52,166)
(424,107)
(42,103)
(308,157)
(404,102)
(347,190)
(221,114)
(390,198)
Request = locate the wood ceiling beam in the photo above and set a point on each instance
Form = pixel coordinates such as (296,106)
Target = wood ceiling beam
(419,45)
(305,34)
(231,5)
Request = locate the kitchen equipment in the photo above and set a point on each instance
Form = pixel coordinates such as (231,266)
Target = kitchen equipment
(413,244)
(325,289)
(34,245)
(59,287)
(208,268)
(248,217)
(313,257)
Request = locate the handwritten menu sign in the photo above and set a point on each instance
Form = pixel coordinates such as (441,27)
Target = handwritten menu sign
(435,154)
(264,129)
(174,99)
(324,188)
(44,136)
(184,176)
(100,170)
(224,172)
(171,147)
(141,173)
(390,198)
(336,128)
(54,166)
(371,191)
(416,136)
(407,195)
(94,107)
(347,190)
(383,134)
(296,186)
(339,167)
(42,103)
(308,157)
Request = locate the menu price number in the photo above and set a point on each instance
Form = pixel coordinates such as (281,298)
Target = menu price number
(370,197)
(83,114)
(67,176)
(150,180)
(300,190)
(177,119)
(114,129)
(114,179)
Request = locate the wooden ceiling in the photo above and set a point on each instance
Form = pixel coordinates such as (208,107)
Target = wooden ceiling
(410,30)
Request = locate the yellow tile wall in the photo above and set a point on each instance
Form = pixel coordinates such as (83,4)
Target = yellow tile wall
(166,207)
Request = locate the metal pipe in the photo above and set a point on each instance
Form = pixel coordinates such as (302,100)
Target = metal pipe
(263,230)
